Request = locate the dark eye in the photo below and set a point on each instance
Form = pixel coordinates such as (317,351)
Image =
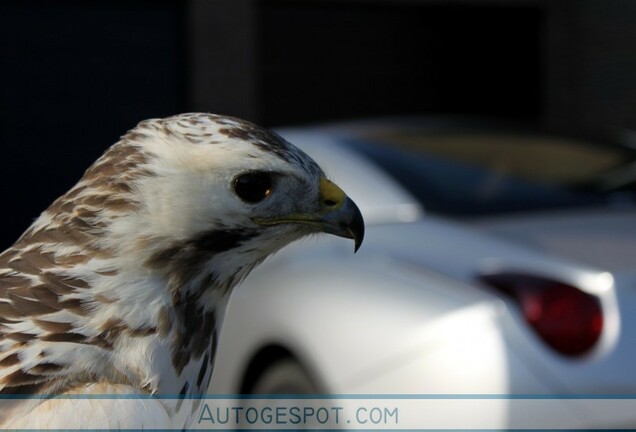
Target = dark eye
(254,186)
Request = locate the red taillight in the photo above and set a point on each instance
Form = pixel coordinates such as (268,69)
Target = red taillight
(567,319)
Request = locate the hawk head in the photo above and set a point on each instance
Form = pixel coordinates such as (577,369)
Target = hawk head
(214,196)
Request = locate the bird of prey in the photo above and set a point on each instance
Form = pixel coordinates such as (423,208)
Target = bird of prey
(119,286)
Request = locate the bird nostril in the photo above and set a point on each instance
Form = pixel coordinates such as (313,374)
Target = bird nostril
(330,203)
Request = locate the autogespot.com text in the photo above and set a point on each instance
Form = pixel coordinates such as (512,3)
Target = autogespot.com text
(297,414)
(372,412)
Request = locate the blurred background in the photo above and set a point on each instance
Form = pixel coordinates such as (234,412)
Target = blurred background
(76,75)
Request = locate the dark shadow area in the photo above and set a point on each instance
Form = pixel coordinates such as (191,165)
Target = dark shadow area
(337,60)
(75,76)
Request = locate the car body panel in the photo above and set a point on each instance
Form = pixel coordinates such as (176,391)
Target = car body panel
(335,280)
(598,237)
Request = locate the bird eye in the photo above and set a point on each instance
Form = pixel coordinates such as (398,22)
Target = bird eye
(253,187)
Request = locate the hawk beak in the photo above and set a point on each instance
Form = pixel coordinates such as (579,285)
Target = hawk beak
(340,215)
(337,215)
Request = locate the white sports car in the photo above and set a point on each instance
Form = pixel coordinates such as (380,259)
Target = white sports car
(496,262)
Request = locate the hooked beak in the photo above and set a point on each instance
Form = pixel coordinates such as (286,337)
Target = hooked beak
(338,215)
(341,215)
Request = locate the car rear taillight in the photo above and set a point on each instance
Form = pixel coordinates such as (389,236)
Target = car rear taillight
(567,319)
